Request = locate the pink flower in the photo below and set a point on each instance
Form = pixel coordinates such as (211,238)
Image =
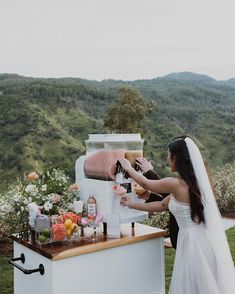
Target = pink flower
(73,188)
(84,221)
(55,198)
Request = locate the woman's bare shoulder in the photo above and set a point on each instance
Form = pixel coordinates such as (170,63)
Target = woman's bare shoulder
(182,191)
(176,181)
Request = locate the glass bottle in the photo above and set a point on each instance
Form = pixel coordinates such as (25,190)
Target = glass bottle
(91,206)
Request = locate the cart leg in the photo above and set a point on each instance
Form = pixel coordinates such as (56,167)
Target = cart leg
(105,228)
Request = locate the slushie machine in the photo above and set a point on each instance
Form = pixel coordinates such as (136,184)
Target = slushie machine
(98,173)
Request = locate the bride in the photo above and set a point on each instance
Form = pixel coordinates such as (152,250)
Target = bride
(203,262)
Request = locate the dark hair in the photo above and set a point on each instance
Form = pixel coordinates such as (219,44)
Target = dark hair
(179,152)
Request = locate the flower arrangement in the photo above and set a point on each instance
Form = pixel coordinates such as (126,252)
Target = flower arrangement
(49,189)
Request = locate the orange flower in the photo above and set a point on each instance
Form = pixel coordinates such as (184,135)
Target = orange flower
(32,176)
(75,218)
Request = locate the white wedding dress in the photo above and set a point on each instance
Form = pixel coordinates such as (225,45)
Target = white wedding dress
(195,269)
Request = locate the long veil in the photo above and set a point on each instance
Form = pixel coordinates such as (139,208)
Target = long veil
(224,264)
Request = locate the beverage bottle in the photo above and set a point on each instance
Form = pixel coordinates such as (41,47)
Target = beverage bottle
(91,205)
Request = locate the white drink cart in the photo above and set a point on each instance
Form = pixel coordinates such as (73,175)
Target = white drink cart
(133,264)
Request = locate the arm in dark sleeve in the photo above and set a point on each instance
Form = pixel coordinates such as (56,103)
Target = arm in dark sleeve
(172,226)
(152,175)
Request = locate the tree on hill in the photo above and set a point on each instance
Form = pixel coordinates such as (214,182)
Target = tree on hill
(126,114)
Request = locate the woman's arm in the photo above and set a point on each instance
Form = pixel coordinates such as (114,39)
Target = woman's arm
(155,206)
(166,185)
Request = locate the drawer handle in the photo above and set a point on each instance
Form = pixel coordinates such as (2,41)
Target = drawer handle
(24,270)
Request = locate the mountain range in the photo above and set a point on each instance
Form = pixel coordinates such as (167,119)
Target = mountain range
(46,121)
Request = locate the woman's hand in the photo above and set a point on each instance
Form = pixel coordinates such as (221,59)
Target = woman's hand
(126,201)
(144,164)
(126,165)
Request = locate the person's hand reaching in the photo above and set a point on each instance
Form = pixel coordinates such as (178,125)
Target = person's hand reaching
(144,164)
(125,164)
(126,201)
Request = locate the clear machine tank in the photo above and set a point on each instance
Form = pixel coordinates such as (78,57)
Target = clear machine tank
(96,173)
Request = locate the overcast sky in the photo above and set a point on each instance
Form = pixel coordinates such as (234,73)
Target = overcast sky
(119,39)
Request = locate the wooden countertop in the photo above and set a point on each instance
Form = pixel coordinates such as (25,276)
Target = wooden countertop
(129,235)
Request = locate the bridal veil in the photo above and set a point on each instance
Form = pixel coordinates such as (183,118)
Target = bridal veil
(225,270)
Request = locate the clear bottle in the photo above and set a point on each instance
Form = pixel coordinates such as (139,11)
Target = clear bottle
(91,206)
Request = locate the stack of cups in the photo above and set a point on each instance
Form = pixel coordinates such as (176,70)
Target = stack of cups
(78,206)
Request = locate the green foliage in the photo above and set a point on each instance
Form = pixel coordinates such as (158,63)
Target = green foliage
(33,134)
(48,120)
(224,184)
(128,112)
(159,220)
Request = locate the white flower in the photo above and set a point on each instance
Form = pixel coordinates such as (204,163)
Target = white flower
(7,208)
(47,206)
(16,197)
(22,208)
(31,189)
(44,188)
(26,201)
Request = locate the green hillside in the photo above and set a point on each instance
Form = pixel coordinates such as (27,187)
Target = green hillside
(46,121)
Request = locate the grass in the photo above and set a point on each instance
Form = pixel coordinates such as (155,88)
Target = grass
(6,276)
(169,263)
(231,241)
(6,271)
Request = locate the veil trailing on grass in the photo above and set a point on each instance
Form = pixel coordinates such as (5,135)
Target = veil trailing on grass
(225,270)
